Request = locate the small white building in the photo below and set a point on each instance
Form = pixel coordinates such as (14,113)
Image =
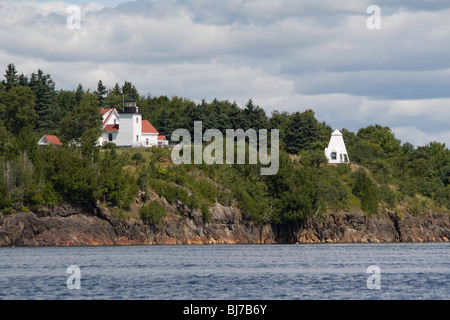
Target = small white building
(162,141)
(127,129)
(336,151)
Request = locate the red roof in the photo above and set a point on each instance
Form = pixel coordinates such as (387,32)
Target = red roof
(161,137)
(108,113)
(103,111)
(111,128)
(147,127)
(53,139)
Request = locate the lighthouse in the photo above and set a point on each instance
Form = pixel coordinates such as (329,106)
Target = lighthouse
(336,151)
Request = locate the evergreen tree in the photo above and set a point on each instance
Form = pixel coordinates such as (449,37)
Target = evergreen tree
(11,77)
(236,117)
(79,93)
(255,117)
(279,121)
(23,80)
(302,131)
(128,89)
(100,92)
(44,89)
(163,123)
(114,98)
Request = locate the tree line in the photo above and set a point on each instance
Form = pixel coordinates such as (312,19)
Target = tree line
(385,173)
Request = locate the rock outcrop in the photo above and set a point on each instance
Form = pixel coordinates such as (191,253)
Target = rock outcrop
(359,227)
(70,225)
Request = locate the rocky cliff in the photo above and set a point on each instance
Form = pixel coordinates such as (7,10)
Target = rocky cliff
(73,225)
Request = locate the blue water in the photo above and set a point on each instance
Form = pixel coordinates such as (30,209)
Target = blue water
(287,272)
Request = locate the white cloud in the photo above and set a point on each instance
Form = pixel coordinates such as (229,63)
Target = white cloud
(285,55)
(420,138)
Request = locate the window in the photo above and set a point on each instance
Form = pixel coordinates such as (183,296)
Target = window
(137,138)
(147,142)
(110,137)
(115,121)
(333,156)
(137,120)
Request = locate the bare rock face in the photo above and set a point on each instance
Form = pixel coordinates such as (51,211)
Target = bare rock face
(27,229)
(73,225)
(359,227)
(430,227)
(223,227)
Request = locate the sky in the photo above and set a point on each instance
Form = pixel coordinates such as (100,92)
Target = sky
(285,55)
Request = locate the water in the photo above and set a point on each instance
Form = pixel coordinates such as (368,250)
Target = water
(228,272)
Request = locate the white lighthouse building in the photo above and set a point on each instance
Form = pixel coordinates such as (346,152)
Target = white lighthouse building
(336,151)
(127,129)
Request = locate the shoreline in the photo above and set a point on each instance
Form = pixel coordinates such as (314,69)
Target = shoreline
(74,226)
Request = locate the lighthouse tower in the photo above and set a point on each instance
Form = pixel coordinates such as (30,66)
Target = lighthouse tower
(336,151)
(130,127)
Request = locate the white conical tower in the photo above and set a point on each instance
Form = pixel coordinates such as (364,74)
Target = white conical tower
(336,151)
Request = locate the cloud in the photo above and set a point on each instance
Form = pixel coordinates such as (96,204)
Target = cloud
(285,55)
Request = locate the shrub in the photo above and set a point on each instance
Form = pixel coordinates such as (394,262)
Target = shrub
(205,212)
(152,213)
(365,190)
(138,157)
(109,145)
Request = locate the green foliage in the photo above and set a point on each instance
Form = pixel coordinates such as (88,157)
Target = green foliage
(48,111)
(382,137)
(302,132)
(391,175)
(109,145)
(365,190)
(11,77)
(138,158)
(152,213)
(313,158)
(100,93)
(116,186)
(18,108)
(83,117)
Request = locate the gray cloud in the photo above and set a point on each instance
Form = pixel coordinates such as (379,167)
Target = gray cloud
(288,55)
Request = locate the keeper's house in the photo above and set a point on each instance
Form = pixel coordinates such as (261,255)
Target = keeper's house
(127,129)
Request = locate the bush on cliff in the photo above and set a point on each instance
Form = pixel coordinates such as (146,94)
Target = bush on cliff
(152,213)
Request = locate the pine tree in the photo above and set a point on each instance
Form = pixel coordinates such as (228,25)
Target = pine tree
(79,93)
(255,117)
(236,117)
(114,98)
(11,77)
(163,123)
(100,92)
(48,111)
(128,89)
(302,131)
(23,80)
